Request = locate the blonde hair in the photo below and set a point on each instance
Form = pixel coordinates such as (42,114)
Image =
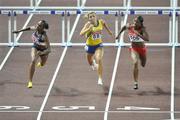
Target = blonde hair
(86,16)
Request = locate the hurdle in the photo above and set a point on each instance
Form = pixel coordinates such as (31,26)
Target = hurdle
(66,12)
(33,3)
(9,14)
(25,12)
(119,11)
(133,11)
(11,44)
(176,25)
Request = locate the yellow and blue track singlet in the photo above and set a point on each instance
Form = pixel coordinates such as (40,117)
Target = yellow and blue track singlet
(94,36)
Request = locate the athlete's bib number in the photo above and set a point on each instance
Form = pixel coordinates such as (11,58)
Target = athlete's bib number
(133,38)
(96,36)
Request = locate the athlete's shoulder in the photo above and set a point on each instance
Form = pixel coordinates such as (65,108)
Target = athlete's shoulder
(129,25)
(32,27)
(102,21)
(87,24)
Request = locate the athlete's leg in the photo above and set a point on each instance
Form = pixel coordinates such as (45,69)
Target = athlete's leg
(90,58)
(143,60)
(43,60)
(135,58)
(98,57)
(32,66)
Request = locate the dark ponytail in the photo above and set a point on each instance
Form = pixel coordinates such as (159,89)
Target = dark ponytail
(46,25)
(141,19)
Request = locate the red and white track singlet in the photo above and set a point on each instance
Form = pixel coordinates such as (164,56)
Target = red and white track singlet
(133,37)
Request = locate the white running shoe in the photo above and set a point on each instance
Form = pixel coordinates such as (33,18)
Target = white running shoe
(100,81)
(93,67)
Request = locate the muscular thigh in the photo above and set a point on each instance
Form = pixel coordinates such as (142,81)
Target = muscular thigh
(134,56)
(99,53)
(34,55)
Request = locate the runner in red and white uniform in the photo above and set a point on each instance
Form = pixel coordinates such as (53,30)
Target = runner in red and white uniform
(137,35)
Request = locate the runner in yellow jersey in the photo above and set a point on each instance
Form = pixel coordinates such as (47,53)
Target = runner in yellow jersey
(94,47)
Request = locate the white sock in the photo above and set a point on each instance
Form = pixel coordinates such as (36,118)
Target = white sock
(135,82)
(100,81)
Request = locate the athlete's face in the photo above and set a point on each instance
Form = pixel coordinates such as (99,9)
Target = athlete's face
(92,17)
(136,22)
(40,26)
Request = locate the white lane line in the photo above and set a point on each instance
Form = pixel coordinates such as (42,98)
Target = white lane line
(173,65)
(173,119)
(17,39)
(137,108)
(112,84)
(5,59)
(58,67)
(115,68)
(172,82)
(51,84)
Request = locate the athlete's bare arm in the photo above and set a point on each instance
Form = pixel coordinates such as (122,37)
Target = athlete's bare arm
(87,27)
(25,29)
(145,35)
(123,29)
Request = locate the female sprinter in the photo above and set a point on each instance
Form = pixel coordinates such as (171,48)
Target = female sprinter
(94,47)
(40,48)
(137,35)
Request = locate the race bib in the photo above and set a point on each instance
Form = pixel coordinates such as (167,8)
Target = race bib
(135,38)
(96,36)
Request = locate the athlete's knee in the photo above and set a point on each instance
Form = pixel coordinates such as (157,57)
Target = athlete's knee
(89,58)
(33,62)
(135,65)
(99,54)
(98,60)
(43,63)
(143,63)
